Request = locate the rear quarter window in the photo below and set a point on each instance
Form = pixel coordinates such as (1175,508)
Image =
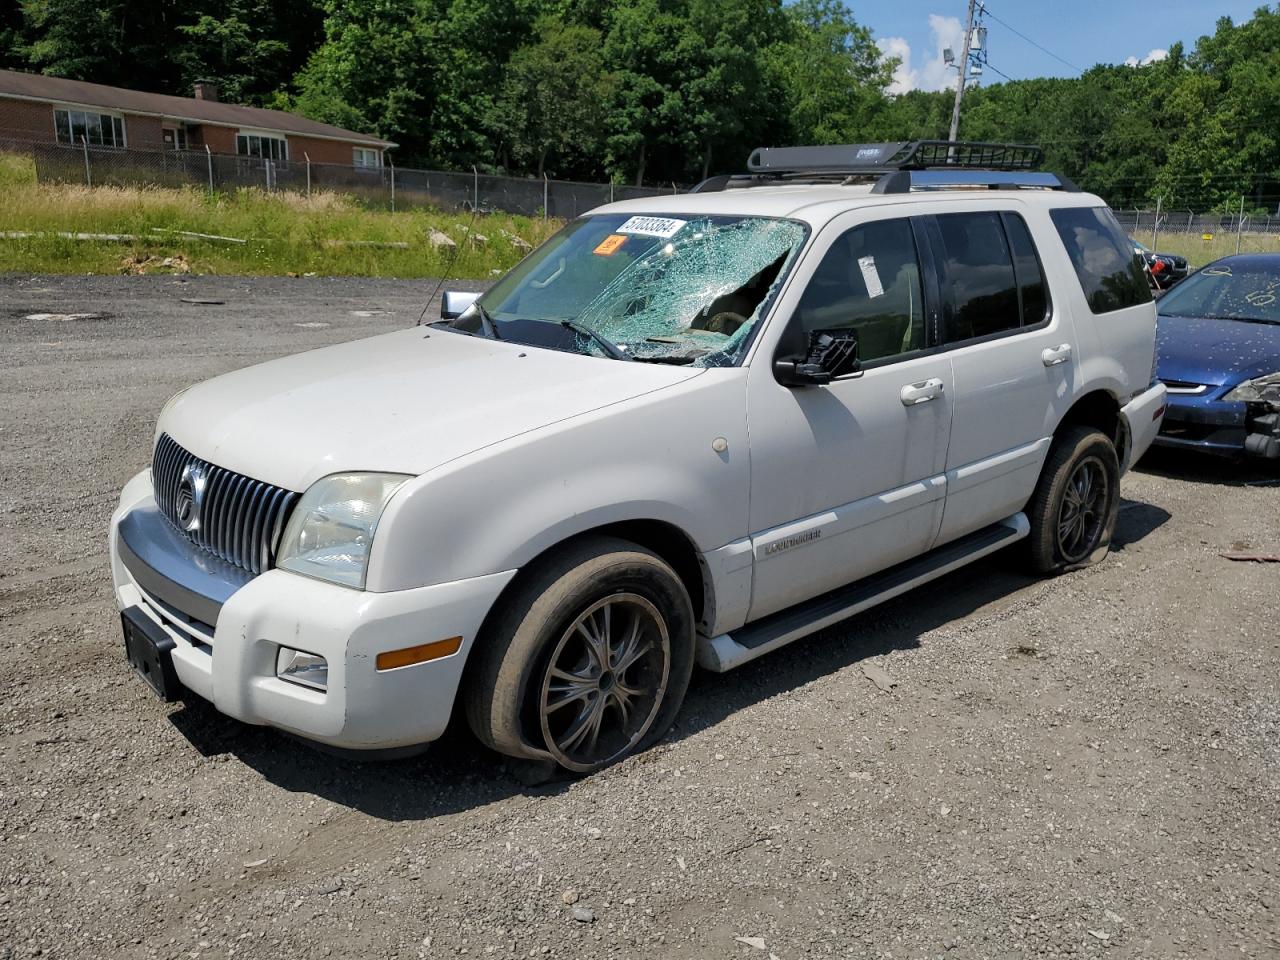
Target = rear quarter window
(1105,262)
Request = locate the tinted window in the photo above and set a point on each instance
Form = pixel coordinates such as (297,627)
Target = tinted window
(1109,270)
(1026,265)
(869,281)
(979,270)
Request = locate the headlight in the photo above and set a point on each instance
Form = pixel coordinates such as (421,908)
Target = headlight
(329,535)
(1260,389)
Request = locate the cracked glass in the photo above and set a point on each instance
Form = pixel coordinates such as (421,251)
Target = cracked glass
(676,288)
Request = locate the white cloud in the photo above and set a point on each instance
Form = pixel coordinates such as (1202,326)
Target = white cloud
(932,72)
(1151,57)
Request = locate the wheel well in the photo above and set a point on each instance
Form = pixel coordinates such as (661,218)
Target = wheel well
(1097,409)
(671,544)
(667,541)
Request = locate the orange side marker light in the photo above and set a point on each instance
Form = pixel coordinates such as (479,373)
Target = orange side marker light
(407,656)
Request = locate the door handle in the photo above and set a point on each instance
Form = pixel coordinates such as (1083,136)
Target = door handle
(921,392)
(1052,356)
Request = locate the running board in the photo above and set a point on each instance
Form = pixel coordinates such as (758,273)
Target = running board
(727,651)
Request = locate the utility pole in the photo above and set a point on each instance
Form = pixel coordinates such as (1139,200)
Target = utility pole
(963,68)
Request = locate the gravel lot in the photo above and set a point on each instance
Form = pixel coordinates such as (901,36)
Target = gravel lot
(1087,766)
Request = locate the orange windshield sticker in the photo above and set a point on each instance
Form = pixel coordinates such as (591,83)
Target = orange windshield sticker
(609,245)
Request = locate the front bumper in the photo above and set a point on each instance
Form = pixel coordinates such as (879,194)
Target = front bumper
(231,661)
(1205,423)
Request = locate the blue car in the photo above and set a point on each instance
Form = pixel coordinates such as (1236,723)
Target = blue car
(1218,352)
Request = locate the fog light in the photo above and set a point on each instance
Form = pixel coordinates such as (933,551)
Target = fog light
(303,668)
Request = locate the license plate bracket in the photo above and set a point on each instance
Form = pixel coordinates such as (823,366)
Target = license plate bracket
(150,652)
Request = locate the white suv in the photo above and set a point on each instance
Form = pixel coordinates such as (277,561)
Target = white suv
(685,428)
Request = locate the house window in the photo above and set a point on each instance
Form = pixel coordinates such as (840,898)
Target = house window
(262,145)
(365,157)
(99,129)
(175,138)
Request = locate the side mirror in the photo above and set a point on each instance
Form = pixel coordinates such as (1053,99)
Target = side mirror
(454,303)
(830,354)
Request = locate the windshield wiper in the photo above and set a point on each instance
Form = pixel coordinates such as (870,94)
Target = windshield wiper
(486,322)
(605,344)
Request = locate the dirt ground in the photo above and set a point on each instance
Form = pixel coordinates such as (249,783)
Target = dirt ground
(1087,766)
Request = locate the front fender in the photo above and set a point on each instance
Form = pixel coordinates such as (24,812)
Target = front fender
(649,458)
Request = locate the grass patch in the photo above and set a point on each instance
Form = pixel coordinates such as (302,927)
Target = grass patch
(1199,251)
(285,233)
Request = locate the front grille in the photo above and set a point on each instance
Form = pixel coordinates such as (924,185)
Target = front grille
(1184,386)
(234,517)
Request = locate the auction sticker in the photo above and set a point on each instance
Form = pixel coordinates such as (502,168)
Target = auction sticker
(663,227)
(871,277)
(609,245)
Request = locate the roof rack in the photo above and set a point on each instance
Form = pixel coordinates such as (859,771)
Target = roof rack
(899,167)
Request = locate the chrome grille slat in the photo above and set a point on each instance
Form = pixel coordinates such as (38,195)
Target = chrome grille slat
(241,519)
(234,492)
(212,497)
(254,529)
(217,478)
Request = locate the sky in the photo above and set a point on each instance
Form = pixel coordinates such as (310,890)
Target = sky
(1074,35)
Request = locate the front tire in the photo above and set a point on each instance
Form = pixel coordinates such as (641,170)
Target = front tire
(1073,510)
(589,659)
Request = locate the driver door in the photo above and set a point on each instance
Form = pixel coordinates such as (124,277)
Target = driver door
(848,478)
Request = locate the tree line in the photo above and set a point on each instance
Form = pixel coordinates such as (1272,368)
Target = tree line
(669,90)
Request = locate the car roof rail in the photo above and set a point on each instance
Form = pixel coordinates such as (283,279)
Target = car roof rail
(899,167)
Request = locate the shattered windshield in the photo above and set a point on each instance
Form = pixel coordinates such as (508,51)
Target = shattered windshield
(686,289)
(1225,292)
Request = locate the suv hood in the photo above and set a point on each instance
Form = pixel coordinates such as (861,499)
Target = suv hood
(403,402)
(1201,350)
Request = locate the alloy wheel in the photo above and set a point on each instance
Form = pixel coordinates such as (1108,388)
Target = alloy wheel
(1082,515)
(605,682)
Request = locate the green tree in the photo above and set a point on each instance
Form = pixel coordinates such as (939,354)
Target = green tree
(831,72)
(371,71)
(107,41)
(552,103)
(251,47)
(646,48)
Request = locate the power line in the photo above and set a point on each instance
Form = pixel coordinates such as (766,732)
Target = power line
(987,10)
(998,71)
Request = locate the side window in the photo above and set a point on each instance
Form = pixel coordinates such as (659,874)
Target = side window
(869,281)
(1109,271)
(1032,292)
(979,269)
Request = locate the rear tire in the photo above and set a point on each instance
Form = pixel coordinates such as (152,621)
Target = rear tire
(588,660)
(1074,506)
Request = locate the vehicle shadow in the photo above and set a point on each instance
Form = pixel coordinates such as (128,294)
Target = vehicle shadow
(1206,468)
(457,773)
(1136,521)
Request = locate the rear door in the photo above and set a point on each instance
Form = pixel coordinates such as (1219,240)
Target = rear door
(1012,353)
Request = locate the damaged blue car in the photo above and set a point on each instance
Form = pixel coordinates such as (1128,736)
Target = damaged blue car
(1218,352)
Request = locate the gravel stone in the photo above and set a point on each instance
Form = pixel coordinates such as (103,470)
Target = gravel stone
(1130,764)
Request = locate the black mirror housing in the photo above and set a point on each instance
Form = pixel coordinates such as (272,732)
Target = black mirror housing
(830,354)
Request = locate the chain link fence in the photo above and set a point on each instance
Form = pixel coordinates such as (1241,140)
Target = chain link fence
(1190,223)
(389,186)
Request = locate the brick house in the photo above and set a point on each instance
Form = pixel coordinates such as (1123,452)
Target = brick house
(35,108)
